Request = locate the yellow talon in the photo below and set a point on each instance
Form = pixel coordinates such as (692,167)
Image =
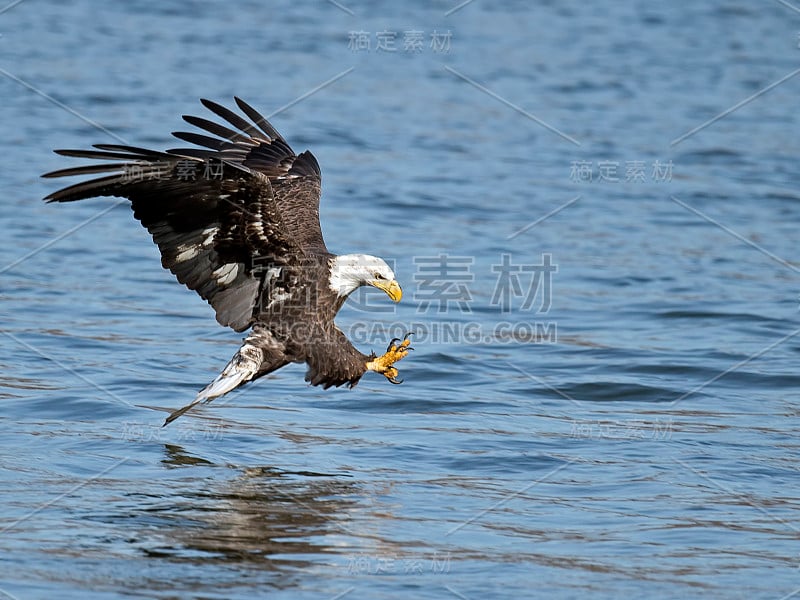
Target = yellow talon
(395,352)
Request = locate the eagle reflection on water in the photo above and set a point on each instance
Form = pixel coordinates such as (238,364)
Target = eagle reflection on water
(265,516)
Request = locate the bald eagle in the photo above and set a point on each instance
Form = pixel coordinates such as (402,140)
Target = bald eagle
(237,221)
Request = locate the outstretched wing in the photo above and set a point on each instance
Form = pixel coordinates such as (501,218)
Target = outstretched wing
(257,146)
(217,225)
(224,217)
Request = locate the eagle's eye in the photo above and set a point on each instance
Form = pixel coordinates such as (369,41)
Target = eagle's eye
(379,276)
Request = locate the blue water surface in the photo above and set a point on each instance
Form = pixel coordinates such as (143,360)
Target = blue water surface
(623,426)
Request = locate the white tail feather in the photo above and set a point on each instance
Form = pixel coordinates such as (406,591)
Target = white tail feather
(241,369)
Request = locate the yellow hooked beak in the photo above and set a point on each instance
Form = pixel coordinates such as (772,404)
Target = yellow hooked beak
(392,288)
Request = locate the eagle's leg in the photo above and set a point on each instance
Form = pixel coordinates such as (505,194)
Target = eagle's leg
(395,352)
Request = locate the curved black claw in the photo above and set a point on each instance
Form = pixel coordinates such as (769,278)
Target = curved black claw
(395,380)
(392,343)
(408,335)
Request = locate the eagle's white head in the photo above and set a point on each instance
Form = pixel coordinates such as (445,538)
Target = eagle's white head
(351,271)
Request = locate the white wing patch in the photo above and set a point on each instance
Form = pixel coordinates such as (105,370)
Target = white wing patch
(209,234)
(226,273)
(187,252)
(198,242)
